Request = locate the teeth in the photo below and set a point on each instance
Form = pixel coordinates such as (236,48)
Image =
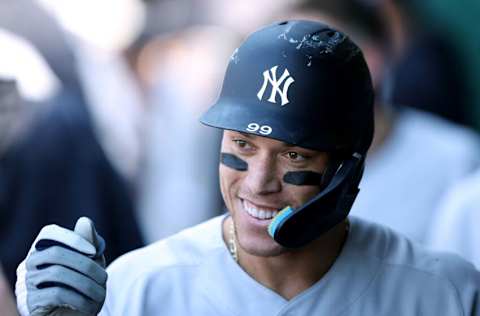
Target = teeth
(261,214)
(258,213)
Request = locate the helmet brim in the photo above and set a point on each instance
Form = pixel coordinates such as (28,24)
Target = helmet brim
(229,115)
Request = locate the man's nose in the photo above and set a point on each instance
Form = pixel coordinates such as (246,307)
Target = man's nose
(262,177)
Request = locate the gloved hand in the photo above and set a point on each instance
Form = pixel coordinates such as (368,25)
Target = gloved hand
(63,273)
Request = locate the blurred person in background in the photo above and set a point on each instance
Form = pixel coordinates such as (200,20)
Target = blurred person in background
(81,152)
(455,228)
(429,73)
(26,82)
(243,16)
(7,303)
(415,156)
(179,65)
(456,27)
(43,33)
(182,73)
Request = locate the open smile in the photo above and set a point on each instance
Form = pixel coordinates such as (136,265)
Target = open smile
(259,212)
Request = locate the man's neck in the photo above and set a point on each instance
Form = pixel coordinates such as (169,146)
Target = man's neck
(294,271)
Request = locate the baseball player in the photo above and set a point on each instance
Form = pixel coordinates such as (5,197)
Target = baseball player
(296,108)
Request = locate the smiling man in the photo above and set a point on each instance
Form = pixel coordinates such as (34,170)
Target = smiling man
(296,108)
(254,198)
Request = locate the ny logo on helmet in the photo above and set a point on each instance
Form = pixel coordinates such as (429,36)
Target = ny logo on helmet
(270,76)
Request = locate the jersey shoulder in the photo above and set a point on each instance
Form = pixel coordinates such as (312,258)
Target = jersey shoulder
(412,261)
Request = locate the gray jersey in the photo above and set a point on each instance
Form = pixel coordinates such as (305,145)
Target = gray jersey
(377,273)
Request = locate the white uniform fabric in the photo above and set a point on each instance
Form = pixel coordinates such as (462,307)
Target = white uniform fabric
(406,178)
(377,273)
(455,228)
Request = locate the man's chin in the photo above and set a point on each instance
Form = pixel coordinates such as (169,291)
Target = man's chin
(262,247)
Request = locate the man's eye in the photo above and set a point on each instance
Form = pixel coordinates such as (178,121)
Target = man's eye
(241,143)
(292,155)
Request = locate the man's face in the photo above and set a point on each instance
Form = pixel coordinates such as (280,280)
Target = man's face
(253,197)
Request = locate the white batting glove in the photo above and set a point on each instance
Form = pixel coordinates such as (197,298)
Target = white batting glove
(63,273)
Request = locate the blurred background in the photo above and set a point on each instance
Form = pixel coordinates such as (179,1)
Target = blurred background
(100,100)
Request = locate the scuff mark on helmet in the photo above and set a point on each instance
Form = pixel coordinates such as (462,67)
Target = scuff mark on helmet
(235,57)
(327,42)
(287,30)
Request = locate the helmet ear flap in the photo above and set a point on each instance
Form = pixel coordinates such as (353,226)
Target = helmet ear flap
(329,173)
(294,228)
(335,161)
